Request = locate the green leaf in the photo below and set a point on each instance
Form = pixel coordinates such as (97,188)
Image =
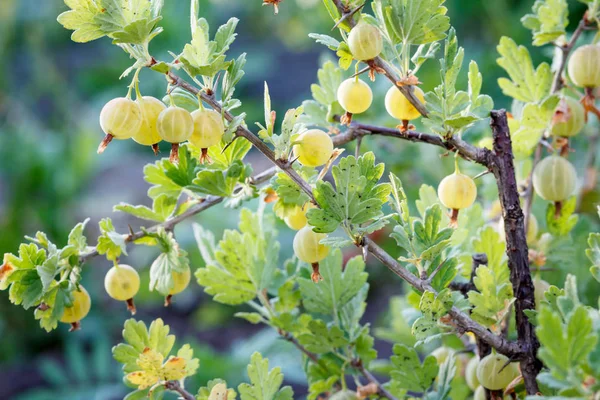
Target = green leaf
(137,32)
(488,241)
(170,179)
(565,347)
(526,84)
(235,73)
(357,197)
(56,299)
(162,208)
(172,259)
(492,298)
(110,243)
(204,392)
(76,237)
(330,77)
(413,21)
(564,223)
(138,338)
(264,384)
(548,21)
(535,120)
(337,287)
(244,262)
(322,339)
(593,253)
(433,308)
(325,40)
(409,373)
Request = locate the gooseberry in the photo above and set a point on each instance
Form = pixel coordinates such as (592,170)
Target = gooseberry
(575,118)
(479,393)
(208,130)
(218,392)
(554,178)
(355,96)
(175,125)
(181,280)
(122,283)
(78,310)
(344,395)
(441,354)
(584,66)
(398,106)
(495,371)
(296,219)
(147,135)
(120,118)
(471,373)
(308,249)
(365,41)
(313,148)
(457,191)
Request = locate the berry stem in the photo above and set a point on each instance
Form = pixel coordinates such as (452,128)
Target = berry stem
(104,143)
(174,156)
(316,275)
(168,300)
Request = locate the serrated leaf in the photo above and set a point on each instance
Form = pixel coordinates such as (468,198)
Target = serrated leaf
(110,243)
(168,178)
(162,207)
(216,389)
(526,83)
(264,384)
(244,262)
(562,224)
(172,259)
(321,338)
(535,120)
(357,198)
(548,21)
(325,40)
(409,373)
(492,298)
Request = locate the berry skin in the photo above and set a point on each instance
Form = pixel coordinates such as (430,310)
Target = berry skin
(554,178)
(575,121)
(441,354)
(457,191)
(122,283)
(296,219)
(208,128)
(307,247)
(175,125)
(479,393)
(584,66)
(344,395)
(355,96)
(365,41)
(151,107)
(218,392)
(314,148)
(120,118)
(399,107)
(79,309)
(471,373)
(490,375)
(182,280)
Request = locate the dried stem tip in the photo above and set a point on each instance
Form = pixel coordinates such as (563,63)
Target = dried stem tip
(316,275)
(174,156)
(131,306)
(168,300)
(104,143)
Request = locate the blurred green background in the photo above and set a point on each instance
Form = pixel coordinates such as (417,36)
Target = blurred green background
(51,93)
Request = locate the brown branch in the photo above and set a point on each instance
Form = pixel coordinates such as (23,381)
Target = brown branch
(381,390)
(454,144)
(169,224)
(516,248)
(381,64)
(176,387)
(466,287)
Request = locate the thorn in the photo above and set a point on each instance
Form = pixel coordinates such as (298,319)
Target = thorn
(479,175)
(348,15)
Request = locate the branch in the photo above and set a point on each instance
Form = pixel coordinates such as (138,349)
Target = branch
(516,248)
(466,287)
(384,66)
(176,387)
(169,224)
(454,144)
(373,380)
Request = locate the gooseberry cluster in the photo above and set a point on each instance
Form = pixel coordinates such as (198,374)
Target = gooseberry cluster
(148,121)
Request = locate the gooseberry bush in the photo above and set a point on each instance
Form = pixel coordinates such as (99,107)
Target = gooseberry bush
(474,259)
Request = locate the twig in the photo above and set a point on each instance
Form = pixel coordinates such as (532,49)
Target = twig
(372,379)
(466,287)
(176,387)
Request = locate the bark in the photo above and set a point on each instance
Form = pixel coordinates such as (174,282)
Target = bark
(516,248)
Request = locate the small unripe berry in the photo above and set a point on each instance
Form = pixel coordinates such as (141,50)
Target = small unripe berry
(365,41)
(355,96)
(441,354)
(398,106)
(494,374)
(575,119)
(554,178)
(208,128)
(122,282)
(307,247)
(151,108)
(457,191)
(479,393)
(79,309)
(314,148)
(296,219)
(344,395)
(175,125)
(121,118)
(181,281)
(584,66)
(471,373)
(541,287)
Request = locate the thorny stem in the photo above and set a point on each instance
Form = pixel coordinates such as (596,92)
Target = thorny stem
(176,387)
